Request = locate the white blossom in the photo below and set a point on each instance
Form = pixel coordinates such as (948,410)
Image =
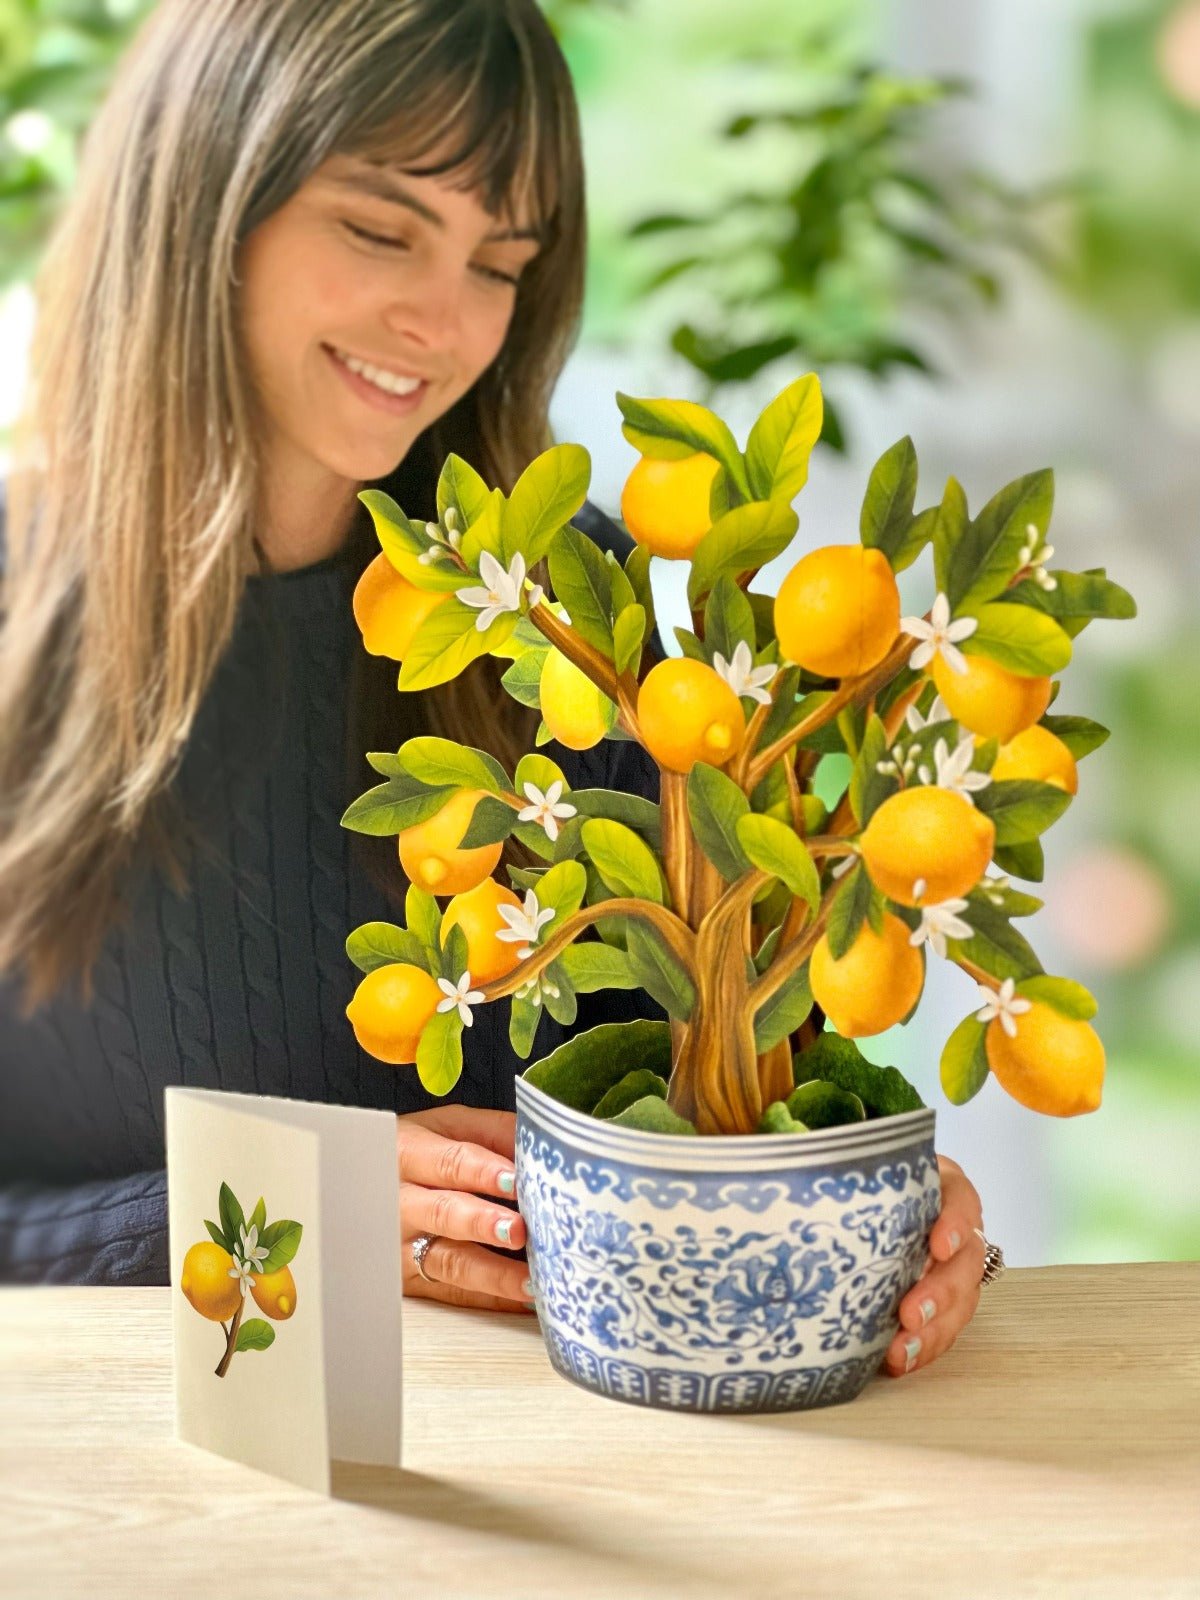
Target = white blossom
(524,922)
(501,590)
(253,1252)
(844,865)
(243,1272)
(939,711)
(534,989)
(954,768)
(546,809)
(460,994)
(742,676)
(939,636)
(1003,1004)
(939,923)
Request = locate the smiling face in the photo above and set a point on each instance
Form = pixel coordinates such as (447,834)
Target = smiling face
(402,277)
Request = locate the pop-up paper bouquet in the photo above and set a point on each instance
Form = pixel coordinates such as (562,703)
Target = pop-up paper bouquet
(759,1265)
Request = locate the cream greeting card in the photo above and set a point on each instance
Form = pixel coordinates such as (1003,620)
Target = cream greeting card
(285,1280)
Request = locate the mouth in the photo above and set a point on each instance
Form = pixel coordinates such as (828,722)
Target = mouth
(394,393)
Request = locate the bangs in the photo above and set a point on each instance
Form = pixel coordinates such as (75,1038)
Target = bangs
(487,113)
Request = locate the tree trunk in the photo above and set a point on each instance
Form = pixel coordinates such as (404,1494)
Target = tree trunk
(714,1081)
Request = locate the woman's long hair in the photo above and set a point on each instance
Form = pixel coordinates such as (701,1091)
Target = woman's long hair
(137,474)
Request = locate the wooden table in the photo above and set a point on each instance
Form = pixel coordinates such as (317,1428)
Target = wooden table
(1054,1451)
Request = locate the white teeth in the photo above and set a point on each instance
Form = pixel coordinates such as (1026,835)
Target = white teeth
(389,382)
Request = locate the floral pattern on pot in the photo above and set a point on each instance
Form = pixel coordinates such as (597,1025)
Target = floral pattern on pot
(768,1288)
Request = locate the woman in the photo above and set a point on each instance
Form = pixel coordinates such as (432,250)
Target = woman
(284,209)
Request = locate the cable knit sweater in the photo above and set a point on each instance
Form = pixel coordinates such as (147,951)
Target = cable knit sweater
(242,984)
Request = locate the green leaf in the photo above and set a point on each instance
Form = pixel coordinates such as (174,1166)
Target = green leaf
(423,917)
(673,429)
(403,545)
(439,1049)
(920,532)
(715,805)
(623,859)
(379,944)
(1080,734)
(255,1335)
(1021,808)
(581,580)
(628,633)
(658,970)
(783,1012)
(461,487)
(964,1065)
(778,849)
(544,498)
(653,1115)
(561,887)
(282,1240)
(524,678)
(218,1236)
(821,1104)
(491,821)
(1022,860)
(522,1026)
(443,761)
(1064,995)
(637,570)
(887,510)
(485,533)
(781,441)
(743,539)
(583,1068)
(592,964)
(996,946)
(449,640)
(633,1086)
(622,589)
(728,619)
(988,555)
(848,910)
(258,1217)
(1077,598)
(949,532)
(883,1091)
(692,645)
(393,806)
(563,1006)
(778,1119)
(453,952)
(1011,902)
(1019,638)
(869,788)
(233,1220)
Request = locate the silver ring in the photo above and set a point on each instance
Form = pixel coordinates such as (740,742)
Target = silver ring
(420,1249)
(993,1259)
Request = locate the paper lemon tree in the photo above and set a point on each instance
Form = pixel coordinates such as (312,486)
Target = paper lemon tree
(241,1256)
(748,909)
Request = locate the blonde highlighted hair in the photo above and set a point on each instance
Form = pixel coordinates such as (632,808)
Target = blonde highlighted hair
(137,477)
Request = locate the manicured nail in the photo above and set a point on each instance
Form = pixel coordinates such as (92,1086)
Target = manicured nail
(504,1230)
(912,1349)
(955,1240)
(507,1182)
(527,1288)
(928,1311)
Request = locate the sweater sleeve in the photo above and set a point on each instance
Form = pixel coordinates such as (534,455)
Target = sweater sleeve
(109,1231)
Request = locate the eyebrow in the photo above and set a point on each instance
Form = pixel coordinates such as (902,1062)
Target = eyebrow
(381,185)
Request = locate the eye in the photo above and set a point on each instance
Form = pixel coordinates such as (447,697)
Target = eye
(402,244)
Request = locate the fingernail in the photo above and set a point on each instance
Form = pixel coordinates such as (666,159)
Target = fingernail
(928,1311)
(912,1349)
(506,1182)
(955,1240)
(527,1288)
(504,1230)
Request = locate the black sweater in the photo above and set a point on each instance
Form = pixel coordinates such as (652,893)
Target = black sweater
(242,984)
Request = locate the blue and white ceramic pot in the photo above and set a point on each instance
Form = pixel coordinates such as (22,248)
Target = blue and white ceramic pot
(755,1273)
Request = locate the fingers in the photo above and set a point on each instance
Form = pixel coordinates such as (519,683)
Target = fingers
(443,1160)
(941,1304)
(455,1269)
(453,1215)
(494,1130)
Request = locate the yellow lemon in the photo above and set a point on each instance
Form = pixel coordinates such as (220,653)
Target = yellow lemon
(1038,754)
(389,1011)
(989,699)
(430,852)
(876,983)
(1053,1064)
(206,1282)
(688,713)
(389,609)
(573,708)
(664,504)
(837,612)
(477,914)
(275,1293)
(925,845)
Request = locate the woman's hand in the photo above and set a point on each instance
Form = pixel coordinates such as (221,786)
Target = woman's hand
(450,1157)
(938,1307)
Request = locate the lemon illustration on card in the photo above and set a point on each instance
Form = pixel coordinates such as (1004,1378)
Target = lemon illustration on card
(242,1257)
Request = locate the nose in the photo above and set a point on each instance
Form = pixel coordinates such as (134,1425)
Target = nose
(430,310)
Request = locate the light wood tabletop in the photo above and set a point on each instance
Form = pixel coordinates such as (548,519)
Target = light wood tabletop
(1054,1451)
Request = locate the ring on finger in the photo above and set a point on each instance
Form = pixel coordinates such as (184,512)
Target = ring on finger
(420,1249)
